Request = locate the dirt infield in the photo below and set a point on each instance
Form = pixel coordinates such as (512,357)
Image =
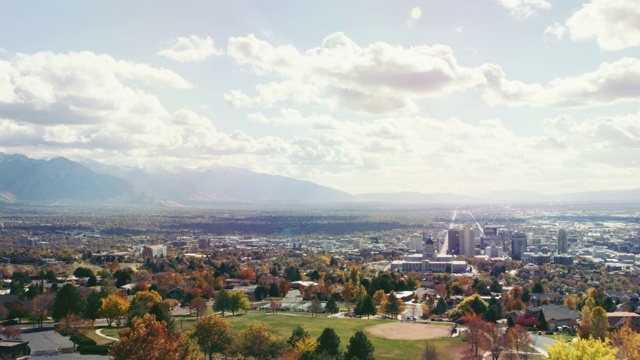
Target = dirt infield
(408,331)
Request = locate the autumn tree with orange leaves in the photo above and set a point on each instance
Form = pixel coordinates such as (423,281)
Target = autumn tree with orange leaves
(148,339)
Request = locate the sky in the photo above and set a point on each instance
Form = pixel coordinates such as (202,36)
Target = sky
(433,96)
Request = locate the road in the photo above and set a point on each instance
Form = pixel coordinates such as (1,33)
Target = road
(445,243)
(538,342)
(476,221)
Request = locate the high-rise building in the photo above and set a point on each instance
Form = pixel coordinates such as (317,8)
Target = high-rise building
(518,245)
(415,242)
(467,242)
(563,244)
(454,241)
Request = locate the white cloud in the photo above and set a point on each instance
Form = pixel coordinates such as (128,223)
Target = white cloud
(387,79)
(610,83)
(522,9)
(190,49)
(380,78)
(614,24)
(557,30)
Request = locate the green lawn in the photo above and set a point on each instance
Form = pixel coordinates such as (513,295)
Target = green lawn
(283,324)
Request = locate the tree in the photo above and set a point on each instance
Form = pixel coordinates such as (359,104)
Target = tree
(199,305)
(585,323)
(473,303)
(222,302)
(316,307)
(256,341)
(430,352)
(475,330)
(379,297)
(332,306)
(296,335)
(68,301)
(273,290)
(305,346)
(83,272)
(10,332)
(18,311)
(542,320)
(238,301)
(599,325)
(354,275)
(162,313)
(94,302)
(347,294)
(214,335)
(113,307)
(359,347)
(366,307)
(73,325)
(359,293)
(147,297)
(582,349)
(519,339)
(537,288)
(394,306)
(148,339)
(441,306)
(328,343)
(494,340)
(627,341)
(572,301)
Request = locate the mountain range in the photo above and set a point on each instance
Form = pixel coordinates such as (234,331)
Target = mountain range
(62,181)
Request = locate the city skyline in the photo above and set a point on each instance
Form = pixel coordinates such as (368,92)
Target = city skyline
(460,97)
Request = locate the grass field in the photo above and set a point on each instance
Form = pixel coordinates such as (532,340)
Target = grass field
(283,324)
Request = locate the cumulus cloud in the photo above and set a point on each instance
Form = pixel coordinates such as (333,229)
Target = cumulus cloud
(614,24)
(522,9)
(385,79)
(190,49)
(610,83)
(380,78)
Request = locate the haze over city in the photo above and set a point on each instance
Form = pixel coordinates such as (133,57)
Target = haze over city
(376,96)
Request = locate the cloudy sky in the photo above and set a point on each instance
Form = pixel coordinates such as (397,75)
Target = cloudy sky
(363,96)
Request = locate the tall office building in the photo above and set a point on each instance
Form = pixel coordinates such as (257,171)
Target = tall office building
(518,245)
(563,245)
(468,241)
(454,241)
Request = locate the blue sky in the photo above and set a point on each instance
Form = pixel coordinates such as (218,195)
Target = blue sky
(362,96)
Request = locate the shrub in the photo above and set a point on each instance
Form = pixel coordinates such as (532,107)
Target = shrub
(94,349)
(82,339)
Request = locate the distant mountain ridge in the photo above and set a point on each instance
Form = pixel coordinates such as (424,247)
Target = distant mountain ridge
(26,180)
(23,179)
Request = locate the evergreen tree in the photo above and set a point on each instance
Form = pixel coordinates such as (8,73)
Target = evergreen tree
(542,320)
(296,335)
(68,301)
(491,315)
(441,307)
(332,306)
(94,302)
(328,343)
(273,290)
(162,313)
(537,289)
(359,347)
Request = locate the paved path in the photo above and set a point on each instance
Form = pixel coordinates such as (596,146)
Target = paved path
(45,344)
(99,333)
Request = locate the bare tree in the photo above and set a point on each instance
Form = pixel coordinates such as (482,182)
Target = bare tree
(429,352)
(494,339)
(41,306)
